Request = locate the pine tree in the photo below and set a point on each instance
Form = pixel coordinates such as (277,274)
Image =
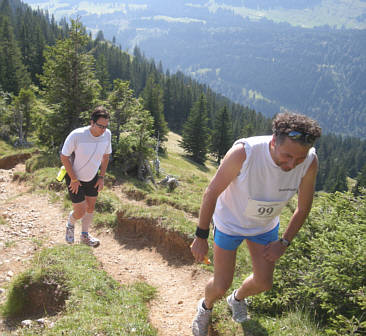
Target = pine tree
(195,132)
(360,182)
(136,144)
(153,102)
(102,75)
(222,135)
(69,85)
(5,115)
(31,41)
(13,74)
(120,100)
(22,114)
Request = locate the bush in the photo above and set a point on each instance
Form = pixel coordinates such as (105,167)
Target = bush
(106,202)
(42,160)
(324,269)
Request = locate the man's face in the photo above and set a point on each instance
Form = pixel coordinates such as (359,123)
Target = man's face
(288,154)
(98,127)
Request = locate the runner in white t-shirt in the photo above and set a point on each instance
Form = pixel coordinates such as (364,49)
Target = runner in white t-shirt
(256,179)
(85,151)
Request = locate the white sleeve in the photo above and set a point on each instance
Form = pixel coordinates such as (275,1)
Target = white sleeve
(109,147)
(69,144)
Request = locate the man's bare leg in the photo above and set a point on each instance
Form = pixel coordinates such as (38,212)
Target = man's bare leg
(224,267)
(262,277)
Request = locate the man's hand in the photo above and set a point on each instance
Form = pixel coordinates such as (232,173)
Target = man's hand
(100,184)
(273,251)
(199,250)
(74,186)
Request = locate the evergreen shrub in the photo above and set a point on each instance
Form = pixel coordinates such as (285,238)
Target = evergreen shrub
(324,269)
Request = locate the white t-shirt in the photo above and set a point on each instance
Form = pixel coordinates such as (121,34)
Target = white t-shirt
(253,201)
(89,151)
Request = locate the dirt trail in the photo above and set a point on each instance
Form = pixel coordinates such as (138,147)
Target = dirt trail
(33,221)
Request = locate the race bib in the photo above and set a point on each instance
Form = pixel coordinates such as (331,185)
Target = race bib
(263,210)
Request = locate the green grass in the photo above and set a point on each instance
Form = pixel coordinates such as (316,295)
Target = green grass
(95,303)
(167,217)
(6,149)
(10,243)
(193,180)
(2,220)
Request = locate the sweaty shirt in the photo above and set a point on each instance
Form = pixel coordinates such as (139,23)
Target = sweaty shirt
(89,151)
(252,202)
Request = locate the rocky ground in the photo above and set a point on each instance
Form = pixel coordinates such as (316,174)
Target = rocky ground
(32,221)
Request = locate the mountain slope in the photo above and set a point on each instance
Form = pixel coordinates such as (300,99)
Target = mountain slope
(239,52)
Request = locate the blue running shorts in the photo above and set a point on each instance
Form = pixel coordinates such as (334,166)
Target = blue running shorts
(228,242)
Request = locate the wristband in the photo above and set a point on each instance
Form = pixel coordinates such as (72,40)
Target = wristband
(285,242)
(76,180)
(101,177)
(200,233)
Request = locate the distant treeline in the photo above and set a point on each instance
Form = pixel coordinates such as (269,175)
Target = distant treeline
(320,72)
(26,36)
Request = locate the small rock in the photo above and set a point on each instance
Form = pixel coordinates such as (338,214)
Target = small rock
(27,323)
(41,321)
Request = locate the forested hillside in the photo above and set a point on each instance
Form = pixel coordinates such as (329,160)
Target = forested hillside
(52,74)
(319,72)
(307,56)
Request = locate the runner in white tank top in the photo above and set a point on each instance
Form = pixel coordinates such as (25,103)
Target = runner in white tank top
(256,179)
(252,202)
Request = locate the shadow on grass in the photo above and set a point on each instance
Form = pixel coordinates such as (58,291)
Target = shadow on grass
(253,328)
(199,166)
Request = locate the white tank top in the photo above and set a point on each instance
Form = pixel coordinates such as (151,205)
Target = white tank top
(252,202)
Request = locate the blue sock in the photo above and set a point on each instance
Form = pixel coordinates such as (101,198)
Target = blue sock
(85,233)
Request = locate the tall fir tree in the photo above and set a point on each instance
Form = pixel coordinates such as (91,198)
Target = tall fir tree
(31,41)
(22,114)
(222,134)
(69,85)
(120,100)
(153,102)
(13,74)
(5,115)
(360,182)
(195,134)
(136,144)
(102,75)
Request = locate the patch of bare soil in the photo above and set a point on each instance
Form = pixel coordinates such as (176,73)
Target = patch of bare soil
(137,251)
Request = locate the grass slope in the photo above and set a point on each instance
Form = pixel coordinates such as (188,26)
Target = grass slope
(95,304)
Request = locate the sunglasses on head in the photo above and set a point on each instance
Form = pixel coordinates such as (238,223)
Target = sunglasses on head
(303,137)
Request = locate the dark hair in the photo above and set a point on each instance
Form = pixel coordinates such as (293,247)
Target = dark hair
(99,112)
(285,123)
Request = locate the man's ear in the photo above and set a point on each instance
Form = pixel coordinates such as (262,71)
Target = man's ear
(273,141)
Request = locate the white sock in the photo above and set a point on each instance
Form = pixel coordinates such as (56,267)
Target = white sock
(86,221)
(72,220)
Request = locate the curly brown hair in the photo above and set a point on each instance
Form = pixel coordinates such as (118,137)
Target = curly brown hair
(284,123)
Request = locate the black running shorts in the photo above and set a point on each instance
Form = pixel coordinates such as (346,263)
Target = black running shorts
(86,189)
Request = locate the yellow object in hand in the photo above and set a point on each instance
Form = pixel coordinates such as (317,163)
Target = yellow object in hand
(206,260)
